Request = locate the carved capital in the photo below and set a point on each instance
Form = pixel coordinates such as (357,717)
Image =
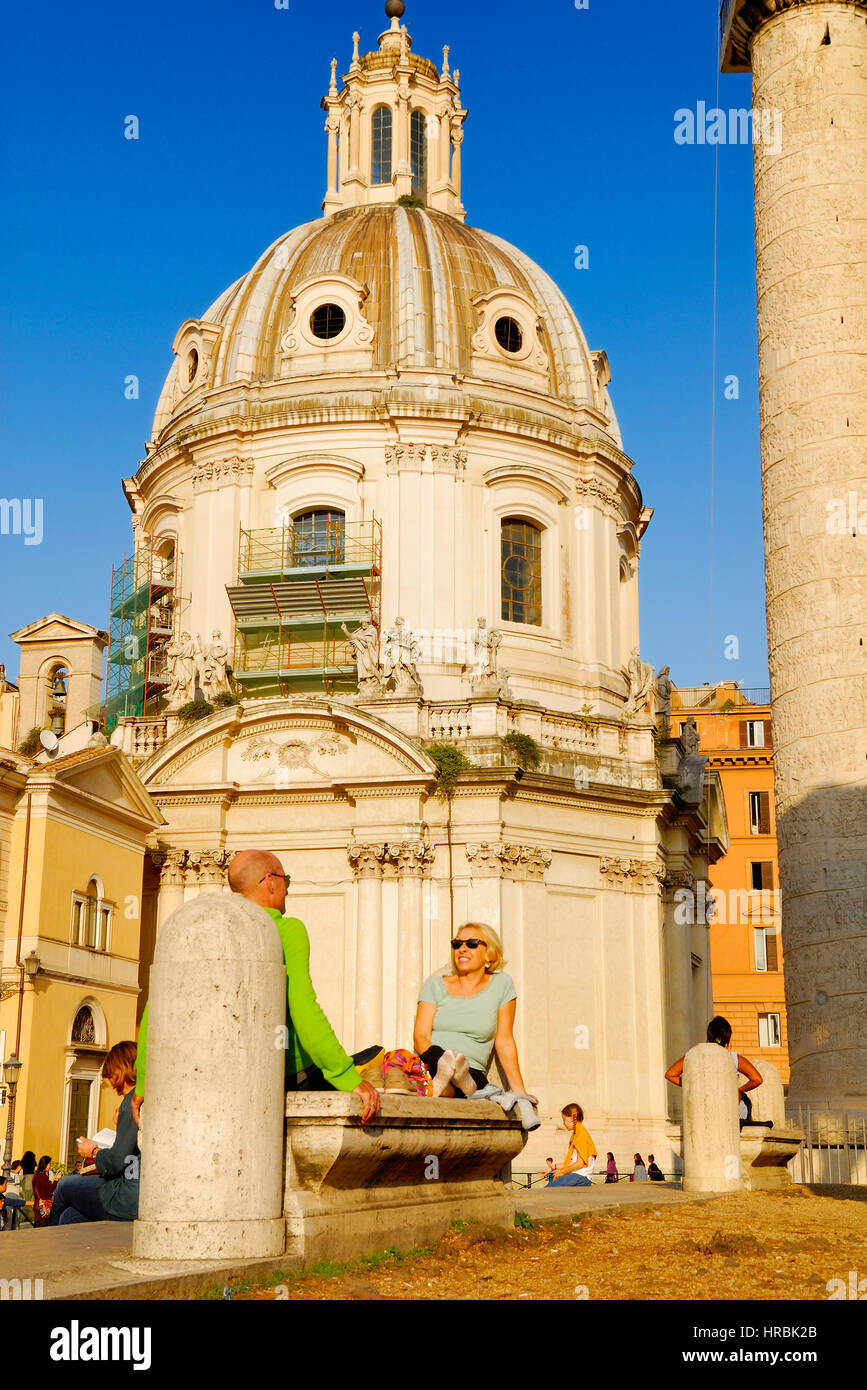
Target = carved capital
(410,858)
(206,866)
(509,861)
(632,875)
(171,864)
(592,490)
(366,860)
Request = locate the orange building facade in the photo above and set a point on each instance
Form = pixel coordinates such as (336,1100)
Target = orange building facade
(734,731)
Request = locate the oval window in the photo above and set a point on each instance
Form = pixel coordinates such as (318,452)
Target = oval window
(509,335)
(328,321)
(192,365)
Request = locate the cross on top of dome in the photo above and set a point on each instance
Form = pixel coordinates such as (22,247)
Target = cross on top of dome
(394,127)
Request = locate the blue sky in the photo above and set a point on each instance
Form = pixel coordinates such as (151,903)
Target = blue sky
(109,244)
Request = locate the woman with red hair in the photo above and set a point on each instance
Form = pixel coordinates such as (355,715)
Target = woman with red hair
(111,1194)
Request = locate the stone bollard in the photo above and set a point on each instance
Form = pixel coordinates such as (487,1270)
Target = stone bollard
(711,1136)
(767,1100)
(212,1120)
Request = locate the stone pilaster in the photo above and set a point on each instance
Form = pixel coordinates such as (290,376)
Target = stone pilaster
(366,861)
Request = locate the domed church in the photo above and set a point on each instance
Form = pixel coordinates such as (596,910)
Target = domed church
(386,514)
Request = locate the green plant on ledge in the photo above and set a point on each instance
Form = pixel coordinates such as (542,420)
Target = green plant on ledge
(30,744)
(195,710)
(450,763)
(409,200)
(524,749)
(224,700)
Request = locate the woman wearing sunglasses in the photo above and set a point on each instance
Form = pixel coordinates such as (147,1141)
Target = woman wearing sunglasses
(466,1016)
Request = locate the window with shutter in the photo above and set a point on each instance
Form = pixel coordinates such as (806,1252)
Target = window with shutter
(760,813)
(772,950)
(760,942)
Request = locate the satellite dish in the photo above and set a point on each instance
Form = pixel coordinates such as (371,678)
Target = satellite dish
(49,742)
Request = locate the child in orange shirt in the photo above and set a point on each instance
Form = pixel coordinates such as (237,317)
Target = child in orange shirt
(577,1166)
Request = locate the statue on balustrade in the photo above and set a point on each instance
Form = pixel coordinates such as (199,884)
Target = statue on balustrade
(182,667)
(213,664)
(399,671)
(365,649)
(638,675)
(481,668)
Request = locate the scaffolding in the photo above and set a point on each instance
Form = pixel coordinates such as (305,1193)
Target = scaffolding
(145,605)
(298,588)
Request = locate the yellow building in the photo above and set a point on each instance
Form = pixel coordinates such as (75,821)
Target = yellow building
(73,829)
(734,730)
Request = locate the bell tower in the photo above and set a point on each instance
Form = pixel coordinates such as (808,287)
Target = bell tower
(394,127)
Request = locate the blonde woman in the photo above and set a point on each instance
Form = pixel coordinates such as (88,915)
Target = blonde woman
(464,1017)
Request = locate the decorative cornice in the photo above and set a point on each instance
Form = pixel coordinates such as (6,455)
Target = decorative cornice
(508,861)
(632,875)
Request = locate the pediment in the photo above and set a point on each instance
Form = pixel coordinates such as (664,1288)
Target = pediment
(108,778)
(55,627)
(278,744)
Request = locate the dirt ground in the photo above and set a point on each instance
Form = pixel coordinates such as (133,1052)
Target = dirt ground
(752,1245)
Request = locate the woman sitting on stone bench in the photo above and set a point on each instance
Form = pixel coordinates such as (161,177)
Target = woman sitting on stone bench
(110,1194)
(466,1016)
(719,1030)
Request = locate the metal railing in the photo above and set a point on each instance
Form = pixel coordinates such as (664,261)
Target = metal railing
(834,1148)
(326,546)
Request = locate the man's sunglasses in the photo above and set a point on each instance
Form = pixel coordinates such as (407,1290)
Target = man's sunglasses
(285,877)
(472,941)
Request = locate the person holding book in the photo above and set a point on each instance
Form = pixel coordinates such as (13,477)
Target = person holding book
(111,1194)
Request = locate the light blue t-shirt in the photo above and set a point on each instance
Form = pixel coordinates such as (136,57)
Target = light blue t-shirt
(468,1023)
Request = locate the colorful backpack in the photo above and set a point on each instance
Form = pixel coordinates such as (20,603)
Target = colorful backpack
(412,1066)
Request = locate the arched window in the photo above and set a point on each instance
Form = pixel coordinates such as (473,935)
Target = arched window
(318,539)
(521,572)
(418,149)
(91,917)
(83,1026)
(381,139)
(58,685)
(164,559)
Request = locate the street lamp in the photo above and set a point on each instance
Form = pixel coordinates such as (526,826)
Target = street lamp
(11,1072)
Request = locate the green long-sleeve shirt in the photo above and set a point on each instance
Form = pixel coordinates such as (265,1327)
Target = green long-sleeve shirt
(311,1040)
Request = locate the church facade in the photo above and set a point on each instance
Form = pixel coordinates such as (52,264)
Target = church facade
(386,509)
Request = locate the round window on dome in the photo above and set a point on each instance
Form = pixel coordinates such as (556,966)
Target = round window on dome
(508,334)
(192,365)
(328,321)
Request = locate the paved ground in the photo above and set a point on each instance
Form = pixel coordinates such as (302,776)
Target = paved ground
(93,1261)
(550,1203)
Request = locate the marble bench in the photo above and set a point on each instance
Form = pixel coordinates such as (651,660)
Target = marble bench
(400,1181)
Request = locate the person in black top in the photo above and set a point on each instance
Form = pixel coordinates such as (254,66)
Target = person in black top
(111,1194)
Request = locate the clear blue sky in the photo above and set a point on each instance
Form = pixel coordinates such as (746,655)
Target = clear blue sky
(109,244)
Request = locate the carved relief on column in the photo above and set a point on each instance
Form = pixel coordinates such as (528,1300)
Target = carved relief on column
(171,864)
(632,875)
(509,861)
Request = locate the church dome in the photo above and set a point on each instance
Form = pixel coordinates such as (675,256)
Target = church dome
(427,286)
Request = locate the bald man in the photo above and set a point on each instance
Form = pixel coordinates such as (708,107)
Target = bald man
(315,1060)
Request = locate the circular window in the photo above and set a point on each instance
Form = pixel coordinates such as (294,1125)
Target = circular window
(509,335)
(328,321)
(192,365)
(518,572)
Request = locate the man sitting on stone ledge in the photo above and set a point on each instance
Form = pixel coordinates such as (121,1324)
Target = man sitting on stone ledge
(315,1060)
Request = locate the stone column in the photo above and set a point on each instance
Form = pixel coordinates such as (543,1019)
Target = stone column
(457,141)
(809,65)
(412,858)
(171,864)
(213,1116)
(711,1134)
(366,861)
(332,125)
